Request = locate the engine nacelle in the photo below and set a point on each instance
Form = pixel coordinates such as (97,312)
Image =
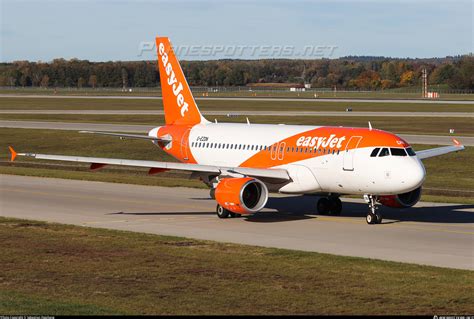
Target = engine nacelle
(241,195)
(401,200)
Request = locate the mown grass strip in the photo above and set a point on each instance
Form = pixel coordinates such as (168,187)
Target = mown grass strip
(57,269)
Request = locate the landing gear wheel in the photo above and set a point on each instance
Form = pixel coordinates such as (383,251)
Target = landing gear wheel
(371,218)
(222,212)
(379,218)
(234,215)
(212,193)
(323,206)
(335,206)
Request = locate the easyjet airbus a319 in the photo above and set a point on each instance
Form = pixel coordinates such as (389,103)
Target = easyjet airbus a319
(242,163)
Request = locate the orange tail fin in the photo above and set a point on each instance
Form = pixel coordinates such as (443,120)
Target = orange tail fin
(178,101)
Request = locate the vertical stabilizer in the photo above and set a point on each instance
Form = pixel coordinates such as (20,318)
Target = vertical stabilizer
(178,101)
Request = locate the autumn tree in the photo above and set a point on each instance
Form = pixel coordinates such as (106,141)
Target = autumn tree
(407,78)
(45,81)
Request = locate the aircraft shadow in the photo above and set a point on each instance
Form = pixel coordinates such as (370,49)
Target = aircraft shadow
(300,207)
(163,213)
(306,205)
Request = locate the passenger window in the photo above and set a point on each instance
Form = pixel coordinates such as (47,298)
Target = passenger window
(398,152)
(410,151)
(375,152)
(384,152)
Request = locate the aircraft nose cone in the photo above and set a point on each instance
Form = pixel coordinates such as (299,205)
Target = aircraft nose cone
(415,176)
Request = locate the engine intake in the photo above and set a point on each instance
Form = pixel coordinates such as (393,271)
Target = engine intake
(401,200)
(241,195)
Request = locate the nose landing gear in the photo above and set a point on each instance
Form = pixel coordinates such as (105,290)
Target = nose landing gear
(373,216)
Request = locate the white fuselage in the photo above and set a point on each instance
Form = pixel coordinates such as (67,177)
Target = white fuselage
(327,169)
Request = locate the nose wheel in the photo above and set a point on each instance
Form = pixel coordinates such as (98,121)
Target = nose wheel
(373,216)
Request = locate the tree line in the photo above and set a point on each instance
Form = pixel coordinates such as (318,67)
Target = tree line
(365,73)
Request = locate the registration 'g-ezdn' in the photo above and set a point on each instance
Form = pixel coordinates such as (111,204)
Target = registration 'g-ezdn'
(242,163)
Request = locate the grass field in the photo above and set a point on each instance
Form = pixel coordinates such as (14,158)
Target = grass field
(446,175)
(402,125)
(69,270)
(411,93)
(230,105)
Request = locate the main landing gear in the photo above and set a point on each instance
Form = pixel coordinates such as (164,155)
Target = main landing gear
(212,193)
(373,216)
(224,213)
(329,206)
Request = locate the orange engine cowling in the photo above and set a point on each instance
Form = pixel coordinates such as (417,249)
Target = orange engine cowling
(241,195)
(401,200)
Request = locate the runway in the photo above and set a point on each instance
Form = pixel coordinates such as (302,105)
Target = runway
(130,128)
(248,113)
(353,100)
(431,234)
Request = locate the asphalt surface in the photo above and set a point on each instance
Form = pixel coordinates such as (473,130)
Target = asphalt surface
(430,233)
(119,97)
(247,113)
(129,128)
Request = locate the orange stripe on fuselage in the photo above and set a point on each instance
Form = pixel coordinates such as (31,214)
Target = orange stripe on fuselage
(323,138)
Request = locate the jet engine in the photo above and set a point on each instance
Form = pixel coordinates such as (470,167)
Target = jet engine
(244,195)
(401,200)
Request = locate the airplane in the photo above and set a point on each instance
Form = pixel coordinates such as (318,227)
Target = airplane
(242,162)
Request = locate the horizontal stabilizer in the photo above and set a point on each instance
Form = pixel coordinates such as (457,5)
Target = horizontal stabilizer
(135,136)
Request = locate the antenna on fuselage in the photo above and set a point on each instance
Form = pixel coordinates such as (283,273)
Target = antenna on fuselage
(215,120)
(248,122)
(370,126)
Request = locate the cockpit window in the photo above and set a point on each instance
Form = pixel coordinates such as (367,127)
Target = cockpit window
(375,152)
(398,152)
(384,152)
(410,151)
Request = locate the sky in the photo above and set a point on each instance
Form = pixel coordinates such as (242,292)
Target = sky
(114,30)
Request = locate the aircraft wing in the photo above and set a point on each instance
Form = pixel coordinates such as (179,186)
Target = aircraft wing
(97,162)
(432,152)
